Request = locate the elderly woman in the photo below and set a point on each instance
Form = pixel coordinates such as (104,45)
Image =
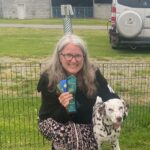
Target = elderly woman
(70,131)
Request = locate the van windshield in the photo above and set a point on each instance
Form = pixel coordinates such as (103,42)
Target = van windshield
(135,3)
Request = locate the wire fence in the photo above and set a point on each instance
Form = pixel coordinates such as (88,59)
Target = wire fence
(79,12)
(19,100)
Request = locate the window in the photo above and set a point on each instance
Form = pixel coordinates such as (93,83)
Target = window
(102,1)
(135,3)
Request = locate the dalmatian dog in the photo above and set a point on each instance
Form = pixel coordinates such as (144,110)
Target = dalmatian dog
(107,119)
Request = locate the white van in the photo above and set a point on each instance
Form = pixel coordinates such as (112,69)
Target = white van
(130,23)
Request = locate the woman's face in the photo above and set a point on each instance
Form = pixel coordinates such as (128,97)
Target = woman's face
(72,59)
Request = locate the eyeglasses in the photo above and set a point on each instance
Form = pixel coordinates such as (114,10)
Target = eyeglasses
(69,56)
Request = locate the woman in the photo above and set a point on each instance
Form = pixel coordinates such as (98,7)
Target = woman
(71,131)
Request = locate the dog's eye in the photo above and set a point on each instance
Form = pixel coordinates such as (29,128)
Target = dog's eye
(120,108)
(110,109)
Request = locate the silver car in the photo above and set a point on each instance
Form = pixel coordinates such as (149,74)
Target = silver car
(130,23)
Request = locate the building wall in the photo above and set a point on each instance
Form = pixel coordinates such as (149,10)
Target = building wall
(26,9)
(1,9)
(102,11)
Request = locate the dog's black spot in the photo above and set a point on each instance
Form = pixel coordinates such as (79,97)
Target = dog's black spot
(99,124)
(99,119)
(101,135)
(118,131)
(108,133)
(114,146)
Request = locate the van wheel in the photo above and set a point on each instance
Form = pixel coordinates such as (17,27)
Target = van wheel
(114,40)
(114,46)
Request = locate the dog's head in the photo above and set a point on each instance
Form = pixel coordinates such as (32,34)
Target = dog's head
(114,110)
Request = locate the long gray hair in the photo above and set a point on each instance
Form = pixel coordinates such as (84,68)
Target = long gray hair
(86,76)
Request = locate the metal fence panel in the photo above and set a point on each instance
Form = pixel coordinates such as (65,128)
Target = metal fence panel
(19,103)
(132,83)
(79,12)
(19,100)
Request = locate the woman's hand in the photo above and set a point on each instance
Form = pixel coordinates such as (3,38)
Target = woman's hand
(64,98)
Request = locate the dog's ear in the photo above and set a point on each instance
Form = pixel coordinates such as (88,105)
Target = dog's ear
(101,109)
(126,107)
(99,100)
(97,104)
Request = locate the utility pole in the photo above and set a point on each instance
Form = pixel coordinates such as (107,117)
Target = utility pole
(67,13)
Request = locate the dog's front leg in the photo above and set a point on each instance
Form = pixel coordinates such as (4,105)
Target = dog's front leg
(99,145)
(115,145)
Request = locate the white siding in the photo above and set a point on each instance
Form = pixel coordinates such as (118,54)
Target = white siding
(31,9)
(102,11)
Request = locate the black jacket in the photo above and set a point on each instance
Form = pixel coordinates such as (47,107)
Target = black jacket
(50,106)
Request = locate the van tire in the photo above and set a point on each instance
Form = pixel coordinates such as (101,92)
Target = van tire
(129,24)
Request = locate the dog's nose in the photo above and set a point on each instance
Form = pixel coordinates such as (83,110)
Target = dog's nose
(119,119)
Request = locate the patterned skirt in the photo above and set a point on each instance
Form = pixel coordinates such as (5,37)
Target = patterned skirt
(69,136)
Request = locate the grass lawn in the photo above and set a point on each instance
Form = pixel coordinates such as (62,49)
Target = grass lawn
(19,129)
(22,134)
(55,21)
(37,43)
(19,103)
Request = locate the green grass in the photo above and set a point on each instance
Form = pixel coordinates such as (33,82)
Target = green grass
(55,21)
(130,139)
(135,139)
(19,102)
(27,42)
(37,43)
(20,129)
(19,109)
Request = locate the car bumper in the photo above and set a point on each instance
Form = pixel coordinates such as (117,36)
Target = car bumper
(143,39)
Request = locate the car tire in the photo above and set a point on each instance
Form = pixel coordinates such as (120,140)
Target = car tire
(114,42)
(129,24)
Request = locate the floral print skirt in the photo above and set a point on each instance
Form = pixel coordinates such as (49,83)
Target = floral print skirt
(69,136)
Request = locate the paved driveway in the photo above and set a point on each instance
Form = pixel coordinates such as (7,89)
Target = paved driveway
(53,26)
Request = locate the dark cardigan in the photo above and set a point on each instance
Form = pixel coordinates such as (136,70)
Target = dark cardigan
(51,107)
